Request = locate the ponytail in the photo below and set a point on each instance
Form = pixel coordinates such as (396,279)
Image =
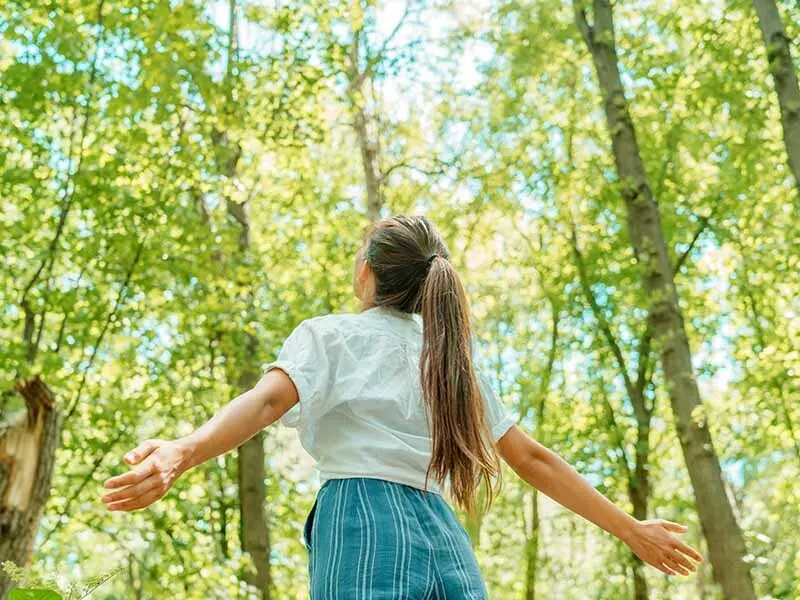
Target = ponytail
(462,444)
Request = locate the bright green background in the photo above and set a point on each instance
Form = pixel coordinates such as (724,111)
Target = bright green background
(488,120)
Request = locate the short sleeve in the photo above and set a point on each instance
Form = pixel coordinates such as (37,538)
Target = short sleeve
(304,359)
(500,420)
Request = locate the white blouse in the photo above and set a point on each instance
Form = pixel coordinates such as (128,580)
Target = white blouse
(360,411)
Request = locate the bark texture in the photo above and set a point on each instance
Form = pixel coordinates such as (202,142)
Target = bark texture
(722,532)
(27,453)
(255,528)
(781,65)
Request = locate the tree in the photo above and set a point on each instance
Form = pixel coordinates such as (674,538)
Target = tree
(533,531)
(180,198)
(725,540)
(636,388)
(251,464)
(784,75)
(28,445)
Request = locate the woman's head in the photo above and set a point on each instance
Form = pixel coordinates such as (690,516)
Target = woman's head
(393,263)
(405,265)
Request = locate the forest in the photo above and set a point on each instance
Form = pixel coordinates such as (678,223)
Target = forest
(182,182)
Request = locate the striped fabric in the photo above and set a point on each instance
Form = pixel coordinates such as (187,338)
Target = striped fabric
(370,539)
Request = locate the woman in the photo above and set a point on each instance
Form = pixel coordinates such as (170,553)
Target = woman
(389,404)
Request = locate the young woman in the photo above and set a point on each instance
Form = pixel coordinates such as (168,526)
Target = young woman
(389,403)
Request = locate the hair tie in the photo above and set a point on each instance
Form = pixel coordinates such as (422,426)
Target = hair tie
(431,259)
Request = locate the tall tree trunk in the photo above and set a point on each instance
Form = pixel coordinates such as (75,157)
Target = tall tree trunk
(533,534)
(725,539)
(251,461)
(27,454)
(365,127)
(368,143)
(639,493)
(532,548)
(254,525)
(781,66)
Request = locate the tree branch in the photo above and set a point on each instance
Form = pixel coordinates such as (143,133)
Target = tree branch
(643,378)
(360,76)
(544,385)
(583,25)
(121,295)
(619,438)
(602,321)
(703,224)
(69,188)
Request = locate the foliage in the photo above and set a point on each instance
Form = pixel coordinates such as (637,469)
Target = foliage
(35,587)
(123,285)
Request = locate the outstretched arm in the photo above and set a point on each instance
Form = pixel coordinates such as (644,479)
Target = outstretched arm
(546,471)
(158,463)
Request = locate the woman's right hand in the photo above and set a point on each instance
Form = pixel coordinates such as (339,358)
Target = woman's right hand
(653,542)
(156,465)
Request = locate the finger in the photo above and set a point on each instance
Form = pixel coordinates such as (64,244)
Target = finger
(684,562)
(132,491)
(689,551)
(663,569)
(135,503)
(132,477)
(674,527)
(141,452)
(666,569)
(674,566)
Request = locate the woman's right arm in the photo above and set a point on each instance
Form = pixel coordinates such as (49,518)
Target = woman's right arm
(158,463)
(550,474)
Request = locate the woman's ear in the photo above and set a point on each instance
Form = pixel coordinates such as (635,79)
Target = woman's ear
(365,282)
(364,272)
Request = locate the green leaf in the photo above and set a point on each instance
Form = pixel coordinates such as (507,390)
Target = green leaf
(29,594)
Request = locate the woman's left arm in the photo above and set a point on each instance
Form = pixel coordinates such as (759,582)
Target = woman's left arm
(652,540)
(158,463)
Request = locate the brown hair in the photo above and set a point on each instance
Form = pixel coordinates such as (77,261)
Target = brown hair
(414,275)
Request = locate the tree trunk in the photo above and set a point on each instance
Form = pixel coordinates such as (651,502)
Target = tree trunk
(252,469)
(781,66)
(365,128)
(532,548)
(532,536)
(251,460)
(254,526)
(725,540)
(369,161)
(254,529)
(27,454)
(639,494)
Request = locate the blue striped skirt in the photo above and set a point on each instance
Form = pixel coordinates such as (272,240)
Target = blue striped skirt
(370,539)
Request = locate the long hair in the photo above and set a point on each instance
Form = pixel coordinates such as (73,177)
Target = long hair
(414,275)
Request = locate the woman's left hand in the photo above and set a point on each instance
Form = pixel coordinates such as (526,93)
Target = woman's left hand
(653,541)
